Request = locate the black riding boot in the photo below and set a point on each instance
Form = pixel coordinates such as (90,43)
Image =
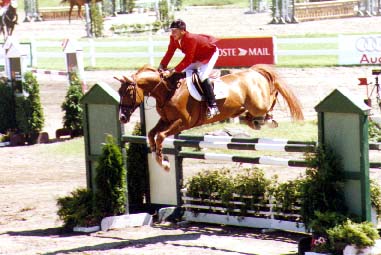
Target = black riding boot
(210,98)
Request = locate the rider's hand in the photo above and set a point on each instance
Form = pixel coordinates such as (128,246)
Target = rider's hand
(168,73)
(161,69)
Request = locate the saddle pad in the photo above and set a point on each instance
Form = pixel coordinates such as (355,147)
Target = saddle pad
(220,88)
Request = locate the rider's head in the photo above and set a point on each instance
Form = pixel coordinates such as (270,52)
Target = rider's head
(178,29)
(180,24)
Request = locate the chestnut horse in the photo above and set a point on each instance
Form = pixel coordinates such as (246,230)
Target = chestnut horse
(79,4)
(252,91)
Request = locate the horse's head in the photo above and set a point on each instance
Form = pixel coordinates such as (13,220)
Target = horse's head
(131,96)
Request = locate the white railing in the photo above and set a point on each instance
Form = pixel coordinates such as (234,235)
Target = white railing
(93,50)
(213,211)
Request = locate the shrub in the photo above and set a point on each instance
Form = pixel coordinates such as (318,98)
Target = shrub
(7,108)
(374,132)
(359,234)
(250,185)
(77,209)
(97,26)
(86,208)
(375,196)
(137,171)
(72,118)
(29,112)
(323,188)
(110,181)
(130,5)
(287,196)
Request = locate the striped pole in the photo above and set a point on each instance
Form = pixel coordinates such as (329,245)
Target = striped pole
(264,160)
(212,138)
(220,144)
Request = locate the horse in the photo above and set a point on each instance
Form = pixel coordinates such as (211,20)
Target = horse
(79,4)
(8,20)
(252,92)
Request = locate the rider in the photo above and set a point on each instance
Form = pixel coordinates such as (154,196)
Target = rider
(200,52)
(4,4)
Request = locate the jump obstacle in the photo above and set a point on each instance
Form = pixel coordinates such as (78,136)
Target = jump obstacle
(336,113)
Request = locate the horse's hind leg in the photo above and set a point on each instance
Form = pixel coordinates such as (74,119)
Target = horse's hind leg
(251,122)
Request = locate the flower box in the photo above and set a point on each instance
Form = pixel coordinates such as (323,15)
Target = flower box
(353,250)
(242,211)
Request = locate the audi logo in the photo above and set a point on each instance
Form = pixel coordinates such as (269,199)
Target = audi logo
(369,44)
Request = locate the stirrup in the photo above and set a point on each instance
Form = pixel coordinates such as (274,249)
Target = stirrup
(212,111)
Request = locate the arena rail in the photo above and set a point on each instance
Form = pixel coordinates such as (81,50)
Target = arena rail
(151,50)
(326,10)
(58,13)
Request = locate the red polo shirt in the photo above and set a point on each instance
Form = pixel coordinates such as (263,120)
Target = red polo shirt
(196,47)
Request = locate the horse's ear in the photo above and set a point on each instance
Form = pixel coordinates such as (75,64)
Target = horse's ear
(123,80)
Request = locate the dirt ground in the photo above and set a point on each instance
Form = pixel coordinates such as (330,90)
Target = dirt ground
(31,181)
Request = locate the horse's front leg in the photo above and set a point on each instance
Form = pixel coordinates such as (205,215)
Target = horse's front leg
(157,151)
(174,128)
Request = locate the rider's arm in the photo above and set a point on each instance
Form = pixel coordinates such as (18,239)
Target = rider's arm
(169,54)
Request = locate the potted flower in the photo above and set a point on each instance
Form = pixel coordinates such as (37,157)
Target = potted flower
(353,238)
(322,222)
(319,246)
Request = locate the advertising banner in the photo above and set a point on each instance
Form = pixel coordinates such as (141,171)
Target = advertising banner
(360,49)
(245,52)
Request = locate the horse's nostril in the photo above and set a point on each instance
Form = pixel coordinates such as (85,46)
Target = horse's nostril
(123,119)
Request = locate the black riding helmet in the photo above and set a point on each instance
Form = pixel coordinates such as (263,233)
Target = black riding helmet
(178,24)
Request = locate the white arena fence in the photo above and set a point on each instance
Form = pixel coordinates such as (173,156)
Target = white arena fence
(149,50)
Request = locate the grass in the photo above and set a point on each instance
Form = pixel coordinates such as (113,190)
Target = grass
(301,131)
(297,131)
(72,147)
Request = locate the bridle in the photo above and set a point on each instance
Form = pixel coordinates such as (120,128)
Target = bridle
(131,87)
(124,109)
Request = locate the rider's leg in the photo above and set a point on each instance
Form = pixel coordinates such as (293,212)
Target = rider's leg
(210,98)
(207,86)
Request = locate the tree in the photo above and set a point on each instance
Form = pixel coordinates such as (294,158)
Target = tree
(111,187)
(71,106)
(29,112)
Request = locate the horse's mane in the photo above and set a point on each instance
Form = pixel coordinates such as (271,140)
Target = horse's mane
(146,68)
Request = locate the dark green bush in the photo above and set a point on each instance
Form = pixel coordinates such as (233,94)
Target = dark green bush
(7,108)
(359,234)
(29,112)
(77,209)
(110,181)
(72,108)
(287,195)
(323,188)
(97,26)
(374,132)
(87,208)
(137,171)
(130,5)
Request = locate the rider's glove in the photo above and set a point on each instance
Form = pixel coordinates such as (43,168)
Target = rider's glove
(160,68)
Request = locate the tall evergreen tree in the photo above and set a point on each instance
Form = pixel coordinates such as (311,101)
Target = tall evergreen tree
(111,187)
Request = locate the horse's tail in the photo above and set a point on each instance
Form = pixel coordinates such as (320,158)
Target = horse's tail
(273,77)
(64,1)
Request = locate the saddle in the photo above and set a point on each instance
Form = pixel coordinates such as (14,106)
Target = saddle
(195,88)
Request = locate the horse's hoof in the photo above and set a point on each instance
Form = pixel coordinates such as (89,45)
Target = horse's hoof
(256,125)
(166,165)
(273,124)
